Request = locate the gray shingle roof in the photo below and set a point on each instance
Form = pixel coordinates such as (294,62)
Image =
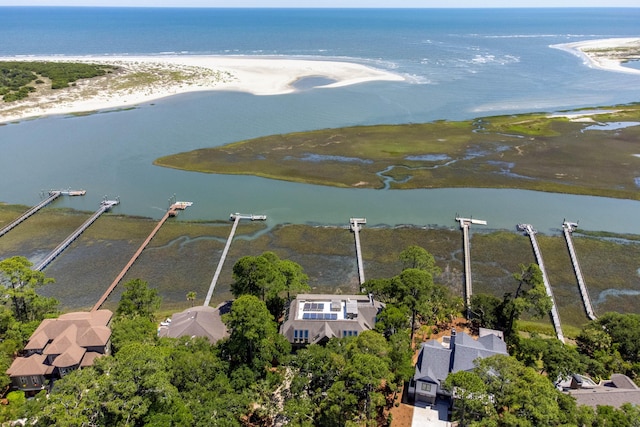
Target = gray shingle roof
(615,392)
(436,361)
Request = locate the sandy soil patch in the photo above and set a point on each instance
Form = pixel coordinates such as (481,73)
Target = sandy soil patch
(146,78)
(606,54)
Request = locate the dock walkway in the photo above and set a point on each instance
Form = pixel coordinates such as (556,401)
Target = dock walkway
(555,318)
(567,228)
(235,217)
(355,227)
(53,194)
(105,205)
(171,212)
(468,287)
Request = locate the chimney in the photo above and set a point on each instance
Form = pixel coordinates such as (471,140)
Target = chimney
(452,343)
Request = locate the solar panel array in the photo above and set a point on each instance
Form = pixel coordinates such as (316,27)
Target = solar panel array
(313,306)
(319,316)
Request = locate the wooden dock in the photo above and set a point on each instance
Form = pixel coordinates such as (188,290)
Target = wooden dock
(355,227)
(105,205)
(171,212)
(555,318)
(567,228)
(235,217)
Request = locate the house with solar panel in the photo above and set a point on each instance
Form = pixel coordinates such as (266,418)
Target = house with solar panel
(455,353)
(316,318)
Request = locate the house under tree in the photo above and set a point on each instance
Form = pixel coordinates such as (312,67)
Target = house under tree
(437,360)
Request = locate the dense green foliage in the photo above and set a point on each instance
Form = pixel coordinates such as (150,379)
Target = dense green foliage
(273,280)
(529,297)
(251,377)
(21,308)
(17,77)
(413,291)
(138,300)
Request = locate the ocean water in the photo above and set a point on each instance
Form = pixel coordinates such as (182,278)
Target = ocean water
(458,64)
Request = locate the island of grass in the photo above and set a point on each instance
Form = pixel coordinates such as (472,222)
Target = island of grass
(589,152)
(19,78)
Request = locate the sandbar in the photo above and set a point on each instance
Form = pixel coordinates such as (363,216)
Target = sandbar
(606,54)
(141,79)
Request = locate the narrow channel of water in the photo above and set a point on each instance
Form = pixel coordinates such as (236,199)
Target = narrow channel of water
(111,153)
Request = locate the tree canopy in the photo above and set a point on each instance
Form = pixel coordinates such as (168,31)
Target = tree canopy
(138,300)
(269,278)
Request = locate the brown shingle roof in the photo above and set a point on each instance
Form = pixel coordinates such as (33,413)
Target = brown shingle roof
(88,358)
(81,322)
(26,366)
(66,339)
(62,342)
(71,357)
(94,337)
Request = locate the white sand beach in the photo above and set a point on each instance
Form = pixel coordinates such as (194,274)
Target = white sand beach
(606,54)
(146,78)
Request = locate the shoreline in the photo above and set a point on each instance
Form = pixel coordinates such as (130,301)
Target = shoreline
(142,79)
(605,54)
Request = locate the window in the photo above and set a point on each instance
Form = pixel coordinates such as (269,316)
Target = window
(300,335)
(425,387)
(35,380)
(349,333)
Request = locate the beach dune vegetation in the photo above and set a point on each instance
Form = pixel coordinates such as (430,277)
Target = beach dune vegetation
(17,78)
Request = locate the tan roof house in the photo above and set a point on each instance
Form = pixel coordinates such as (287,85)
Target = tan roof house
(58,346)
(315,318)
(200,321)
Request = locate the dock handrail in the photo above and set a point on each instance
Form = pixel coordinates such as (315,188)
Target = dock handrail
(105,205)
(567,228)
(235,217)
(555,317)
(464,225)
(52,196)
(355,227)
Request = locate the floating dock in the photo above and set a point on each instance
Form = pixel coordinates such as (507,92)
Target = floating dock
(468,288)
(53,194)
(567,228)
(171,212)
(105,205)
(355,227)
(235,217)
(555,318)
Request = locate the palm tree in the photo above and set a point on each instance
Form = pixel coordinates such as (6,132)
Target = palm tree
(191,296)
